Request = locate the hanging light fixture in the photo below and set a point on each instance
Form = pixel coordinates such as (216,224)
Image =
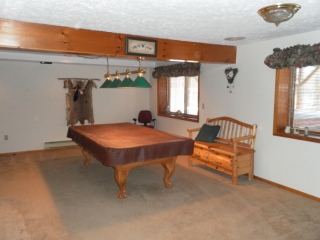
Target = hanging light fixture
(107,83)
(278,13)
(116,82)
(140,81)
(127,81)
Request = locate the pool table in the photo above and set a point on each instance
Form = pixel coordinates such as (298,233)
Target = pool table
(124,146)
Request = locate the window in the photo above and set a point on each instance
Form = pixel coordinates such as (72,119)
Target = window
(297,102)
(305,98)
(179,94)
(183,95)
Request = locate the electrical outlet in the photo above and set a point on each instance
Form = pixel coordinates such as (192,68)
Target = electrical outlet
(202,105)
(6,137)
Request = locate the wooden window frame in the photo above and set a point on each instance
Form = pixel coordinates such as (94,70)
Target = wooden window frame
(281,108)
(162,97)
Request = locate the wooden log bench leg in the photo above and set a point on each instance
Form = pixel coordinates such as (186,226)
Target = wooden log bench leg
(234,175)
(250,174)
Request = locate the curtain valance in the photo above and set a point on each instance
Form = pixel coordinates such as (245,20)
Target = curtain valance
(295,56)
(176,70)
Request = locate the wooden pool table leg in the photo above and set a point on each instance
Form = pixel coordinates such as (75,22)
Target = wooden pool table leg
(120,176)
(87,156)
(121,173)
(169,167)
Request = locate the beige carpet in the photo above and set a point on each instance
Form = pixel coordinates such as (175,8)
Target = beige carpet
(52,195)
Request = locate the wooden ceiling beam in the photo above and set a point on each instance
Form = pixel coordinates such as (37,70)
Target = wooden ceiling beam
(23,36)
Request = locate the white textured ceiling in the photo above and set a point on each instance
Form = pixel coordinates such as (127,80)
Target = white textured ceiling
(205,21)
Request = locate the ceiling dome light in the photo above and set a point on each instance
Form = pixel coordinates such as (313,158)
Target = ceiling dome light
(278,13)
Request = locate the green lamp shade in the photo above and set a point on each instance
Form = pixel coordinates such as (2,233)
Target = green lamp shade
(126,82)
(115,83)
(106,84)
(140,82)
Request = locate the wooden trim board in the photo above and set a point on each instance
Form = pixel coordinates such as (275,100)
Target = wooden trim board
(23,36)
(288,189)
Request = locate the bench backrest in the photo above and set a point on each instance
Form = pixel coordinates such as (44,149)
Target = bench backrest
(232,128)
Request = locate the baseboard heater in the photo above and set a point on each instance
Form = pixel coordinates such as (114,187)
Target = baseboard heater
(59,144)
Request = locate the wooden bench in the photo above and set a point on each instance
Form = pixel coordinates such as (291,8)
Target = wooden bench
(232,151)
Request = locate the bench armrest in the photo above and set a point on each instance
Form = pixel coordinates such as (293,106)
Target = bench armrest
(191,130)
(238,139)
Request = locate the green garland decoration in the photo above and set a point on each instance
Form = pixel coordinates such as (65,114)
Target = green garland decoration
(177,70)
(295,56)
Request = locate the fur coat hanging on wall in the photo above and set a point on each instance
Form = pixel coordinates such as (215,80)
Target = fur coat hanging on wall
(79,101)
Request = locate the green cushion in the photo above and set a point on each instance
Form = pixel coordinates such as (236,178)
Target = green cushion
(208,133)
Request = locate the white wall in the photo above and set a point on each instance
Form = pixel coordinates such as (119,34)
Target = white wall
(289,162)
(33,108)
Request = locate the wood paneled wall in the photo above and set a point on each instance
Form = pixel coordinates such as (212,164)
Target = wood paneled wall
(24,36)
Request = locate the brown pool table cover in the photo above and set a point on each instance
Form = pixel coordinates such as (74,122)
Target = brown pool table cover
(122,143)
